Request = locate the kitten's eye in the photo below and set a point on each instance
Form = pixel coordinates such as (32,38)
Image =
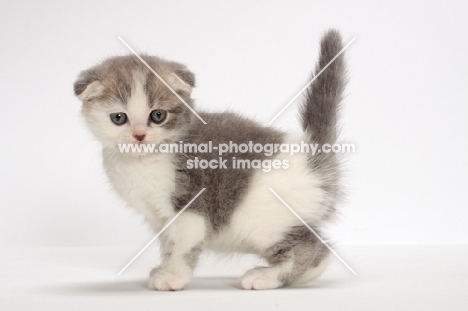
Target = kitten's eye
(158,116)
(118,118)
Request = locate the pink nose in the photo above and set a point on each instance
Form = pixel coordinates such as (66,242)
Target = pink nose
(140,137)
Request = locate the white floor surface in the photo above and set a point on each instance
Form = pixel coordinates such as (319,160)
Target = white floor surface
(431,277)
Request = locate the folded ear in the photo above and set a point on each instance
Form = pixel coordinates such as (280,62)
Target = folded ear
(182,80)
(186,76)
(87,86)
(179,84)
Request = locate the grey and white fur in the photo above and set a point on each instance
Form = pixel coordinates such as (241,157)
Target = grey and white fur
(236,213)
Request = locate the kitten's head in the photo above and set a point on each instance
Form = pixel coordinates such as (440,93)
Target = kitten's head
(124,102)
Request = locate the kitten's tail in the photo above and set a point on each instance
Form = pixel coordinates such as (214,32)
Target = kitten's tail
(319,115)
(319,112)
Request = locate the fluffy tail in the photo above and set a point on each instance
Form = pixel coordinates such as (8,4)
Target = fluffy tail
(320,116)
(319,113)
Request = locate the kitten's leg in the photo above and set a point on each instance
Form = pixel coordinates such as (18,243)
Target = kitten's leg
(316,268)
(289,260)
(181,246)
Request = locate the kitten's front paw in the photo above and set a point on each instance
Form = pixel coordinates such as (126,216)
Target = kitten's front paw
(260,278)
(165,280)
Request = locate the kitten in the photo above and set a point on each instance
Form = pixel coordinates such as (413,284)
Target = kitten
(124,102)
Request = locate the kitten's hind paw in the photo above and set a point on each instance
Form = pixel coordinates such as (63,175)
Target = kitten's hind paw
(260,278)
(167,281)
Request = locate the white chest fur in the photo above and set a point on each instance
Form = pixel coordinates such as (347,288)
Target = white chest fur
(145,182)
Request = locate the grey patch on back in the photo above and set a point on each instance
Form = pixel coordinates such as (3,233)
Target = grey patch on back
(225,188)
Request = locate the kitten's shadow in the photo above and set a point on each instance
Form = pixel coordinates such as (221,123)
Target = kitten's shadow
(138,287)
(134,287)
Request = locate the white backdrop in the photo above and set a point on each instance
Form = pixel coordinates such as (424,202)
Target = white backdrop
(406,107)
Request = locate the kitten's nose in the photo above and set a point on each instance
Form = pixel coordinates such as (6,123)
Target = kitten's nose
(139,132)
(139,137)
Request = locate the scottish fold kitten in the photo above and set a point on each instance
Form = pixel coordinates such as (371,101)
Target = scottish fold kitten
(125,103)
